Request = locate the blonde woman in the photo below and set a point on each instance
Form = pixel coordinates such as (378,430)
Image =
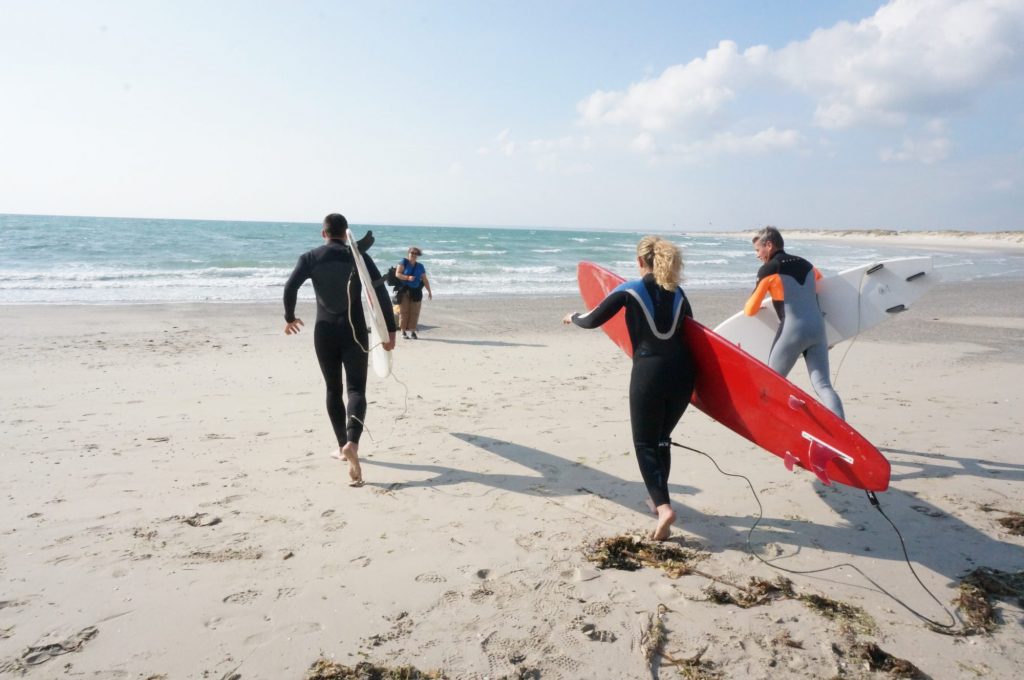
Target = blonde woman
(661,383)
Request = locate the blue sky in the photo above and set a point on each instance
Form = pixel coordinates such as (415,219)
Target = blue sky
(645,115)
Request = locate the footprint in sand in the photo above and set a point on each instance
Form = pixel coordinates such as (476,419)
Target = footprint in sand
(302,628)
(430,578)
(925,510)
(201,519)
(243,597)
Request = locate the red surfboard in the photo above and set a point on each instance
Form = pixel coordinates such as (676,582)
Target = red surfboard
(754,401)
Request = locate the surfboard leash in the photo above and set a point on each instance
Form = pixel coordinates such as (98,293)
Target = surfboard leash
(948,629)
(367,350)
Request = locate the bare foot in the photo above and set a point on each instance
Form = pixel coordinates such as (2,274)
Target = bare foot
(666,518)
(350,452)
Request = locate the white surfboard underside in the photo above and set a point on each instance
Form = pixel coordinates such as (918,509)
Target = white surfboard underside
(380,358)
(851,301)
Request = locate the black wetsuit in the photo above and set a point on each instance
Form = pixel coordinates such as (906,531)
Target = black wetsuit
(663,373)
(338,341)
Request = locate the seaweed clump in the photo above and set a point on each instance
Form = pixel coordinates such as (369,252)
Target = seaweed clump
(322,669)
(877,659)
(847,614)
(1014,523)
(758,591)
(695,667)
(630,553)
(653,637)
(977,590)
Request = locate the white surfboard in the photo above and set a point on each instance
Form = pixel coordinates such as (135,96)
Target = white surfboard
(379,357)
(851,301)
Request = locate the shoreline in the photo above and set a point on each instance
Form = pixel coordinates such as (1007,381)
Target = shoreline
(711,306)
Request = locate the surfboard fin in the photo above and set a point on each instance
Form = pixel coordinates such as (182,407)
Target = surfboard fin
(796,403)
(789,460)
(819,456)
(897,308)
(915,276)
(874,269)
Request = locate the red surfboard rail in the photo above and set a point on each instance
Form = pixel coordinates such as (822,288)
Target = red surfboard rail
(757,403)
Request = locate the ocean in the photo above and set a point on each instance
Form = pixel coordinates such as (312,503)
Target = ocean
(105,260)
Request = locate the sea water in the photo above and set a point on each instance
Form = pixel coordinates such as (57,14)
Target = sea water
(104,260)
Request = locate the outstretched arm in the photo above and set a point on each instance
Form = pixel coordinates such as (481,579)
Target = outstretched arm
(599,315)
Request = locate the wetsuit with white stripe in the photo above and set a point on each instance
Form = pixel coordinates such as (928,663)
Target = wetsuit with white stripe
(663,373)
(339,341)
(791,282)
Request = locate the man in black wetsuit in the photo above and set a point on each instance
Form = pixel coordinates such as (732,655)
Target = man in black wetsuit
(340,335)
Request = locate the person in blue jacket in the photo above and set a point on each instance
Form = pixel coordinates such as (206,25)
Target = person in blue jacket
(414,276)
(663,372)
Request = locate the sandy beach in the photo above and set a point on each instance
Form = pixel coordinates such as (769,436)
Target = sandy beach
(171,510)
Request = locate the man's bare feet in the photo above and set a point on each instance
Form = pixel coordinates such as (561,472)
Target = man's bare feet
(350,452)
(666,518)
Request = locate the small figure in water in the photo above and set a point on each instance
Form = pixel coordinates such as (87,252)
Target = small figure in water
(663,373)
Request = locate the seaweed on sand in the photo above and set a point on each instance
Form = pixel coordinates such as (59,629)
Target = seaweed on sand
(1014,523)
(877,659)
(653,637)
(757,591)
(977,590)
(851,615)
(630,553)
(322,669)
(695,667)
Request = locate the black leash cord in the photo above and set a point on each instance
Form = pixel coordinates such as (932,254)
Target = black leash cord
(939,627)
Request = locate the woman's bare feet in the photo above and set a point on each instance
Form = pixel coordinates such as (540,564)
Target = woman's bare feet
(666,518)
(350,452)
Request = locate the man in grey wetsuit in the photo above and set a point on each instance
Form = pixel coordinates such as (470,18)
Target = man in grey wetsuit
(791,282)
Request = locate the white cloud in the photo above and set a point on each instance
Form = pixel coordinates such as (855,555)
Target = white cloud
(920,150)
(911,59)
(729,143)
(502,143)
(548,155)
(698,88)
(505,143)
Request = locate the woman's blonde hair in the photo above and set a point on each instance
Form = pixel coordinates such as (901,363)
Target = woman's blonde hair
(663,258)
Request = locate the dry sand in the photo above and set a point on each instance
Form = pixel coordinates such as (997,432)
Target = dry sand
(170,510)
